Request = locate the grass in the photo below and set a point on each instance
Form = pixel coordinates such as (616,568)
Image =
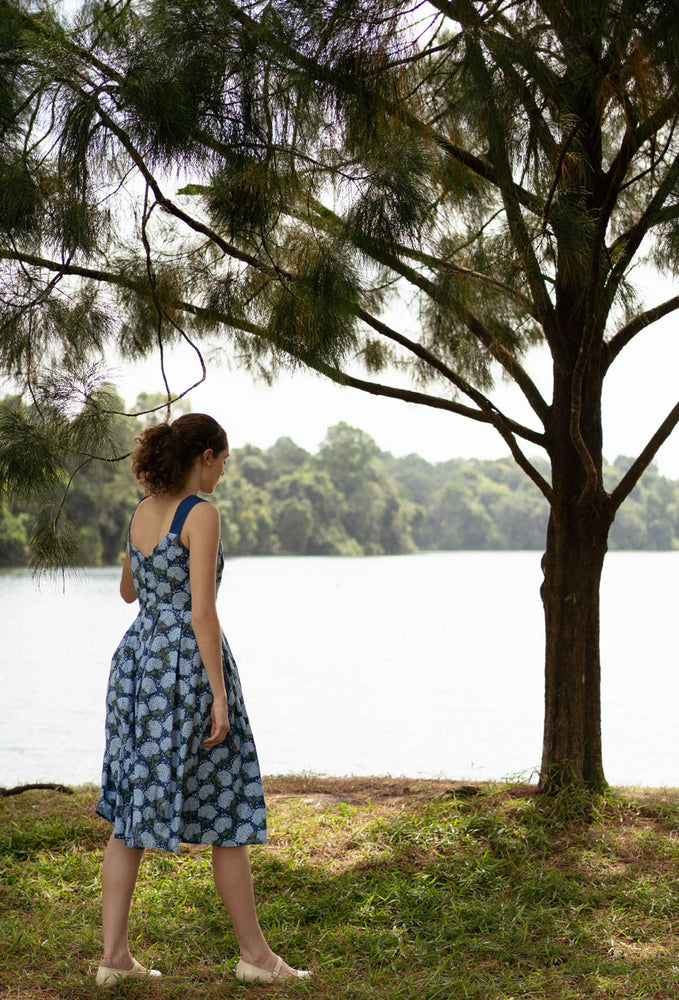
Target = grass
(387,889)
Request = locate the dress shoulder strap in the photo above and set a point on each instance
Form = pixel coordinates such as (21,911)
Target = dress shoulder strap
(129,527)
(182,511)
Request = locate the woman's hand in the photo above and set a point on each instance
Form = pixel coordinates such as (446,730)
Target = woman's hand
(219,715)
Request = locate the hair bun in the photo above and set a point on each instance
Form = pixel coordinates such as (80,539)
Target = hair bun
(167,452)
(159,432)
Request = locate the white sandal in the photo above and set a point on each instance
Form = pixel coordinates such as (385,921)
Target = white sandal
(106,976)
(247,973)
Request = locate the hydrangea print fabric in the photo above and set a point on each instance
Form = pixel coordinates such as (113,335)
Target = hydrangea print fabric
(160,785)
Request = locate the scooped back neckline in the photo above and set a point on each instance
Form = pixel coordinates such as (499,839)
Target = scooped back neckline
(182,510)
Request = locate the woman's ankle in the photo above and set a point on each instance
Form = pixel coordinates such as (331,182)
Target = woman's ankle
(117,960)
(263,958)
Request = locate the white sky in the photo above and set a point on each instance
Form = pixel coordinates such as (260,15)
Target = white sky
(641,388)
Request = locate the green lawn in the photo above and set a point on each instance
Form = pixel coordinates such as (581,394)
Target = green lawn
(386,889)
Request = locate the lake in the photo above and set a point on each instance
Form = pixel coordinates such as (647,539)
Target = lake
(426,665)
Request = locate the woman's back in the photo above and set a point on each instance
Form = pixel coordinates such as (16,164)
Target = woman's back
(161,572)
(152,521)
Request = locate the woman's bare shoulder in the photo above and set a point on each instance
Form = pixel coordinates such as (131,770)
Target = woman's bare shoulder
(203,511)
(147,508)
(202,524)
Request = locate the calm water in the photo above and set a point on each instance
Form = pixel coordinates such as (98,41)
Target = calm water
(424,665)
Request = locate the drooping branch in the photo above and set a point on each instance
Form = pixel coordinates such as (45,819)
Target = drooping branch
(486,413)
(115,279)
(161,313)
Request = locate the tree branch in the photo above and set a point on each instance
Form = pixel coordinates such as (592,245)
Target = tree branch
(466,274)
(476,164)
(474,324)
(500,159)
(415,397)
(640,464)
(622,338)
(627,244)
(495,416)
(444,404)
(498,350)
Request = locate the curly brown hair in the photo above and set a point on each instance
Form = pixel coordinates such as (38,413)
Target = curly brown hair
(165,453)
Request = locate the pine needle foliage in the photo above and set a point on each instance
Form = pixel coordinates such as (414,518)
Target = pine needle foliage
(30,452)
(317,321)
(11,60)
(44,445)
(20,199)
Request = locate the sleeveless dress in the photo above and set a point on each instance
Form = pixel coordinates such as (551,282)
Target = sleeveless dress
(160,786)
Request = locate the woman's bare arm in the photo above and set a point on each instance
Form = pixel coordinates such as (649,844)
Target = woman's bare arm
(127,589)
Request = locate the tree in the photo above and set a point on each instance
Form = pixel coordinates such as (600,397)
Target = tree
(311,490)
(460,522)
(372,514)
(499,168)
(293,525)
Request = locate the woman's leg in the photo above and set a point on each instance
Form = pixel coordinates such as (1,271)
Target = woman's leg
(118,879)
(233,879)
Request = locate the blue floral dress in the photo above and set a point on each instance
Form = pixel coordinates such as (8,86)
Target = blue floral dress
(160,785)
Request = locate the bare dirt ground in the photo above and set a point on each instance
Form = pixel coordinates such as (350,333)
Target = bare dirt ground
(359,791)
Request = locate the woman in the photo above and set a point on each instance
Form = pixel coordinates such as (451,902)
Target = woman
(180,762)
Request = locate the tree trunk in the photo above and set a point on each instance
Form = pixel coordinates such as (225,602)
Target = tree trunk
(577,539)
(576,546)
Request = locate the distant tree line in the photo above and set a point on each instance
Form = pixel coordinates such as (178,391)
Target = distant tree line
(350,498)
